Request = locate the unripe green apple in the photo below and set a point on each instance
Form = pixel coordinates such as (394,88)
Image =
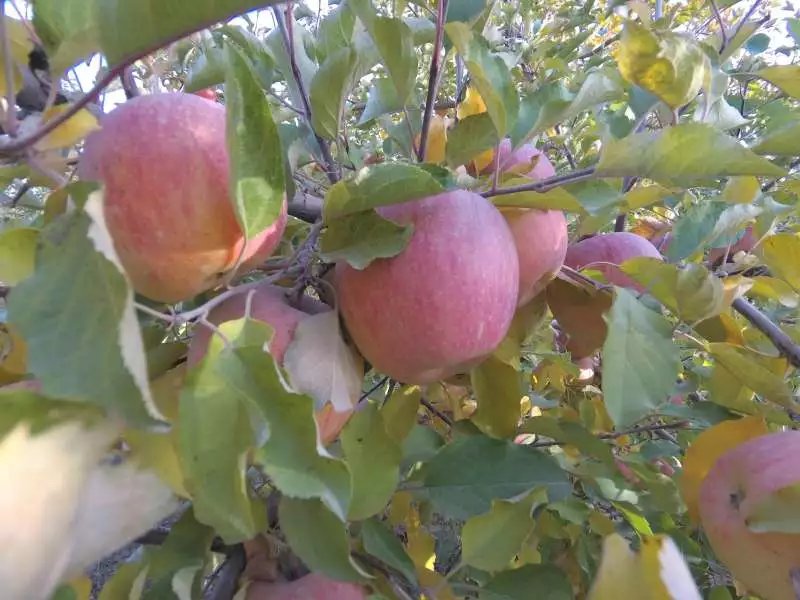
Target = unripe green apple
(269,304)
(163,161)
(446,301)
(738,482)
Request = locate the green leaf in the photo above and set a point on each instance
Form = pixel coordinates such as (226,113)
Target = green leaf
(758,43)
(490,75)
(207,70)
(127,582)
(743,33)
(395,42)
(490,541)
(329,87)
(187,547)
(374,461)
(464,477)
(465,11)
(543,582)
(129,28)
(498,391)
(777,513)
(785,77)
(307,523)
(469,137)
(67,30)
(400,412)
(336,30)
(761,373)
(681,154)
(305,66)
(669,65)
(684,153)
(17,254)
(39,412)
(793,29)
(379,185)
(216,436)
(93,355)
(384,545)
(693,228)
(640,360)
(784,142)
(569,433)
(382,98)
(256,174)
(362,237)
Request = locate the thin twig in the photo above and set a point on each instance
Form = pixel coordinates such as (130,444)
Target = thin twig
(367,394)
(744,20)
(545,184)
(619,434)
(223,582)
(771,184)
(8,66)
(432,81)
(287,32)
(426,403)
(787,348)
(722,29)
(129,83)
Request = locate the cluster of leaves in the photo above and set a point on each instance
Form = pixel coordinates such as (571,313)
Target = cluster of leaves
(503,485)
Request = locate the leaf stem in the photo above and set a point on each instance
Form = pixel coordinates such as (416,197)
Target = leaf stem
(545,184)
(433,80)
(787,348)
(285,24)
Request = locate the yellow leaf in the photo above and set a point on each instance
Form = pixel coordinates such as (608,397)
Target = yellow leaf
(668,65)
(781,253)
(657,571)
(642,196)
(741,190)
(82,587)
(786,77)
(473,104)
(400,508)
(437,140)
(69,133)
(774,289)
(707,448)
(483,160)
(722,328)
(21,46)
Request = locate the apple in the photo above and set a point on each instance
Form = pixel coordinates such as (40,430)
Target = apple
(207,93)
(308,587)
(739,480)
(606,251)
(541,240)
(745,244)
(270,305)
(519,161)
(163,161)
(446,301)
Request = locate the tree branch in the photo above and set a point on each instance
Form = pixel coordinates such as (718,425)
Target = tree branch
(223,582)
(287,32)
(722,29)
(433,80)
(787,348)
(744,20)
(545,184)
(129,83)
(427,404)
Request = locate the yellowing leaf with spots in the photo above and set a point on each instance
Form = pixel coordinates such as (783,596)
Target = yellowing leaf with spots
(781,253)
(668,65)
(655,571)
(70,132)
(707,448)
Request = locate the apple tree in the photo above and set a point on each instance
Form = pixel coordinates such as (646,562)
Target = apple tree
(492,299)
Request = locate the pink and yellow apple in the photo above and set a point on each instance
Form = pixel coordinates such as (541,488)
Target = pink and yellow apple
(738,482)
(313,586)
(446,301)
(745,244)
(163,161)
(269,304)
(606,252)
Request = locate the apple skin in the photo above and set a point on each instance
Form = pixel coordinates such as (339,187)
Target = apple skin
(541,239)
(443,304)
(518,162)
(739,480)
(270,305)
(602,252)
(745,244)
(163,161)
(309,587)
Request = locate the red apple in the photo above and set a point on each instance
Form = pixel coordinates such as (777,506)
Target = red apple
(444,303)
(541,239)
(207,93)
(745,244)
(605,252)
(269,304)
(163,161)
(519,161)
(741,479)
(309,587)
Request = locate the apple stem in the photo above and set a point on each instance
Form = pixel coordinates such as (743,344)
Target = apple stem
(433,80)
(285,24)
